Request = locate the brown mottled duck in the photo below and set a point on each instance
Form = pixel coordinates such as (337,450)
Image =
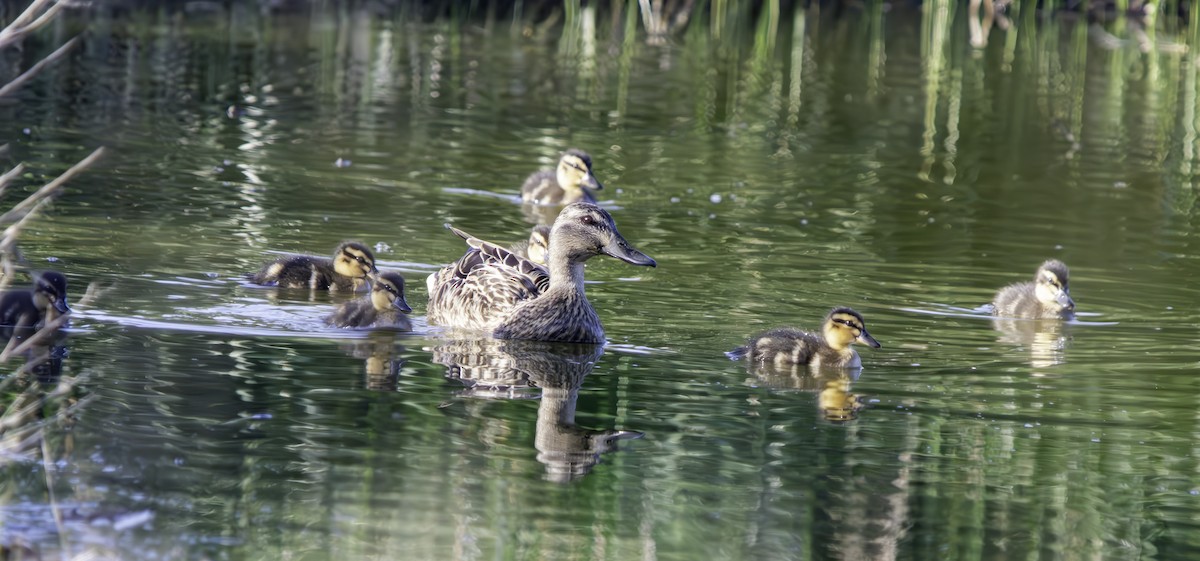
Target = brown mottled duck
(492,289)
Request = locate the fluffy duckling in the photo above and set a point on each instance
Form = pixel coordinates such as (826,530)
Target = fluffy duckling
(831,348)
(30,309)
(492,289)
(1047,297)
(572,182)
(383,307)
(536,248)
(346,271)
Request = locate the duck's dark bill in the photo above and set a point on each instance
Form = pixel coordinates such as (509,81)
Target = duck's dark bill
(866,339)
(1065,301)
(592,183)
(401,305)
(621,250)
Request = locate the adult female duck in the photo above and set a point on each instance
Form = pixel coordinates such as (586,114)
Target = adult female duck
(492,289)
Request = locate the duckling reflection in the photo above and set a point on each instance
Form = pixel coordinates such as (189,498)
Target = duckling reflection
(382,359)
(835,401)
(490,367)
(1045,338)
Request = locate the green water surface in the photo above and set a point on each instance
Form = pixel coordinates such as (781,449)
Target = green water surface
(775,167)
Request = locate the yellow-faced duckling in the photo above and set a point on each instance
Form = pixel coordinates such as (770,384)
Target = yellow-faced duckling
(31,309)
(573,181)
(346,271)
(1047,297)
(536,248)
(492,289)
(830,348)
(383,307)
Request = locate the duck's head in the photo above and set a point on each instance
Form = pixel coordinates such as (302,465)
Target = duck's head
(388,292)
(539,244)
(353,259)
(575,171)
(584,230)
(50,291)
(1051,286)
(844,327)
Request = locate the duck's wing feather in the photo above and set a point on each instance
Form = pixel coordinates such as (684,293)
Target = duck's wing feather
(783,345)
(502,256)
(479,290)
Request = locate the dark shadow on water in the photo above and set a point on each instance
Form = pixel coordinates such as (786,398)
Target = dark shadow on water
(492,368)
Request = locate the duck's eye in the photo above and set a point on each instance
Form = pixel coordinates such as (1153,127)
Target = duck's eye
(587,219)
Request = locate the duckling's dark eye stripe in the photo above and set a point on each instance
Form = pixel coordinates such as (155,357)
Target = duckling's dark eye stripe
(848,323)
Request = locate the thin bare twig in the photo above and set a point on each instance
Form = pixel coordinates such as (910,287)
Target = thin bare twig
(45,332)
(48,470)
(8,240)
(9,252)
(8,177)
(27,75)
(51,187)
(29,20)
(94,291)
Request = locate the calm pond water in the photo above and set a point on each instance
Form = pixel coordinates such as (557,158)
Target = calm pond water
(867,159)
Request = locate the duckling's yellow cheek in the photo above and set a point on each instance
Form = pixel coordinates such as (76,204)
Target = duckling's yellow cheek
(274,270)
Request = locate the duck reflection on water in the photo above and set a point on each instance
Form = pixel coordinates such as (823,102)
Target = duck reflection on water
(835,401)
(492,368)
(1045,339)
(382,357)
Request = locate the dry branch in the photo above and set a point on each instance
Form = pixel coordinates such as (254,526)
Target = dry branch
(32,18)
(50,188)
(27,75)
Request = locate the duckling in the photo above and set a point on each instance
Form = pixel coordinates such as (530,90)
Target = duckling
(536,247)
(1047,297)
(830,348)
(347,270)
(491,288)
(23,310)
(383,307)
(573,181)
